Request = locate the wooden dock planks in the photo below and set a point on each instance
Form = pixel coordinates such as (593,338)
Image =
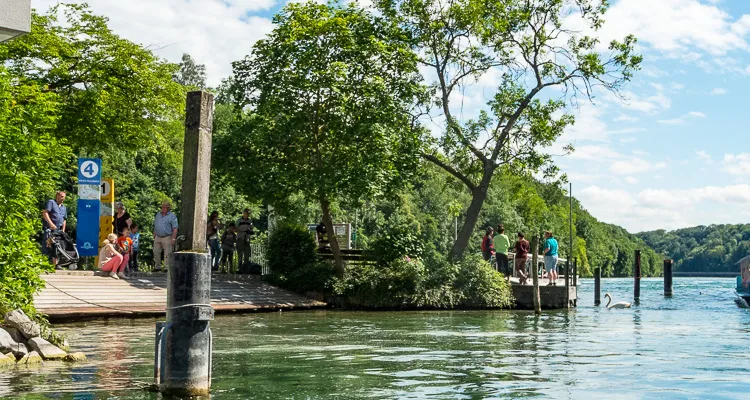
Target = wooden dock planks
(82,294)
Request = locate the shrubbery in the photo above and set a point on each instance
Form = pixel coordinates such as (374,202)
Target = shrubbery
(293,260)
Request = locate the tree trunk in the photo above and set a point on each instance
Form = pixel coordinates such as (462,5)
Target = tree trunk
(478,196)
(535,273)
(338,259)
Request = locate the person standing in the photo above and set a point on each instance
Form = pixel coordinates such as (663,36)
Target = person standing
(212,234)
(54,216)
(228,240)
(487,246)
(550,257)
(165,234)
(522,254)
(502,244)
(245,231)
(122,219)
(136,237)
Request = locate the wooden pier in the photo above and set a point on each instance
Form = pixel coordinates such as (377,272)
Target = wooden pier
(551,297)
(73,295)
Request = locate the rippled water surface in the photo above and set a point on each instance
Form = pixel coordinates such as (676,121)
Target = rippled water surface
(694,345)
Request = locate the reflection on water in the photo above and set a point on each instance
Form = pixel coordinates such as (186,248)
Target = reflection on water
(694,345)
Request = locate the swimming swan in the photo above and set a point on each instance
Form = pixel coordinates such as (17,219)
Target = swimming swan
(622,304)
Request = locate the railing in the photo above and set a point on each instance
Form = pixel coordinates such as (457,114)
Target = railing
(258,256)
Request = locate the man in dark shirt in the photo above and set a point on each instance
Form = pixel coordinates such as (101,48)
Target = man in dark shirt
(54,217)
(522,254)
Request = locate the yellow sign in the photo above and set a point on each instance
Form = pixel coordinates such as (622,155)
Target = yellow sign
(106,211)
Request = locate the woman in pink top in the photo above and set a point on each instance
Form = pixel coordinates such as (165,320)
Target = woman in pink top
(110,259)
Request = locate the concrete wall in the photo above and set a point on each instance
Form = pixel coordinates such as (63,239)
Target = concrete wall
(15,18)
(552,297)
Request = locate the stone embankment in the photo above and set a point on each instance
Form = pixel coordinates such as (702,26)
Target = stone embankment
(21,343)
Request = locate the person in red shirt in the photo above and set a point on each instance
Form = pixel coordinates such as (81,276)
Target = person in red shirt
(488,249)
(124,247)
(522,254)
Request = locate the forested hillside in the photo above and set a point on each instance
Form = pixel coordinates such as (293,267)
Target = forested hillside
(713,248)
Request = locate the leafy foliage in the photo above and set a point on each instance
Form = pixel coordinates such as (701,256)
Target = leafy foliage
(713,248)
(293,260)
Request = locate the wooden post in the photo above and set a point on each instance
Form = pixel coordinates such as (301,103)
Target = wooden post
(575,272)
(637,276)
(567,282)
(597,286)
(535,273)
(668,278)
(184,369)
(196,172)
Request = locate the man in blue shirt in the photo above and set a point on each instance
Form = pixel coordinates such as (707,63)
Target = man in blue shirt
(550,257)
(54,215)
(165,234)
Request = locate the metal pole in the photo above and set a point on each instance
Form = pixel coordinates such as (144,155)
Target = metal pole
(637,276)
(668,278)
(597,286)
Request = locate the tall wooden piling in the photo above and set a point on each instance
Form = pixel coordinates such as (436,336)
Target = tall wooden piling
(597,286)
(186,342)
(637,276)
(535,273)
(668,278)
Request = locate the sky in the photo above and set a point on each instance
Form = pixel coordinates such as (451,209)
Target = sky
(672,153)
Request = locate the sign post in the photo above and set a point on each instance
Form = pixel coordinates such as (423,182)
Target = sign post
(106,210)
(87,232)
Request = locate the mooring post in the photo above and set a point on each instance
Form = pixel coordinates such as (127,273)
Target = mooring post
(187,345)
(535,274)
(668,278)
(597,286)
(567,282)
(575,272)
(637,276)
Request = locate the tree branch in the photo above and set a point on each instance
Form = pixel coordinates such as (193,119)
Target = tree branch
(461,177)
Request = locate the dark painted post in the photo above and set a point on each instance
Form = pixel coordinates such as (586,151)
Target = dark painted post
(535,274)
(668,278)
(637,276)
(567,282)
(597,286)
(187,343)
(575,272)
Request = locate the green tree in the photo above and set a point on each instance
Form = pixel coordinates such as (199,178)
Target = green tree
(190,74)
(112,93)
(331,91)
(526,43)
(30,158)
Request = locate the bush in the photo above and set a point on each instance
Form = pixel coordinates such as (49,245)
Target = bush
(293,260)
(408,283)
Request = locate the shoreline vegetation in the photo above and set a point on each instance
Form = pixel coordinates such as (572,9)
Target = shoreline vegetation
(347,143)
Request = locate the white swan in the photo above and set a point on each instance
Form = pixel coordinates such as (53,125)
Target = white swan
(622,304)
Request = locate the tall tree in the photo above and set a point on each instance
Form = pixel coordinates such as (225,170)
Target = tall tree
(531,47)
(112,93)
(331,91)
(191,74)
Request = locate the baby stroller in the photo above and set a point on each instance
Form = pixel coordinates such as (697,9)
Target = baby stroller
(61,246)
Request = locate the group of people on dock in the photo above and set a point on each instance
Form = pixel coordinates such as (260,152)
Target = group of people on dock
(497,244)
(119,251)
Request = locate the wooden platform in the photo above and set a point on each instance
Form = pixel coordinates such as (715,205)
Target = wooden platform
(551,297)
(82,294)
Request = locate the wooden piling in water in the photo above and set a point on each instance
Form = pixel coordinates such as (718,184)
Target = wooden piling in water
(597,286)
(535,273)
(668,278)
(637,276)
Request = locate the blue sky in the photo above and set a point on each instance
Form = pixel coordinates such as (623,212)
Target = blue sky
(673,154)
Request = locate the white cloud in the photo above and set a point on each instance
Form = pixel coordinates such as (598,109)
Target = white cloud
(681,120)
(633,166)
(703,155)
(626,118)
(631,180)
(718,91)
(213,32)
(737,164)
(652,209)
(628,140)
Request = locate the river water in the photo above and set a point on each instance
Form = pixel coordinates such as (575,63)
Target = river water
(695,345)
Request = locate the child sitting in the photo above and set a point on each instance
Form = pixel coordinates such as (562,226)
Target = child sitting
(228,240)
(124,246)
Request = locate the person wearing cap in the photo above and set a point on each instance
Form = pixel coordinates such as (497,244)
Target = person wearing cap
(165,234)
(54,215)
(122,219)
